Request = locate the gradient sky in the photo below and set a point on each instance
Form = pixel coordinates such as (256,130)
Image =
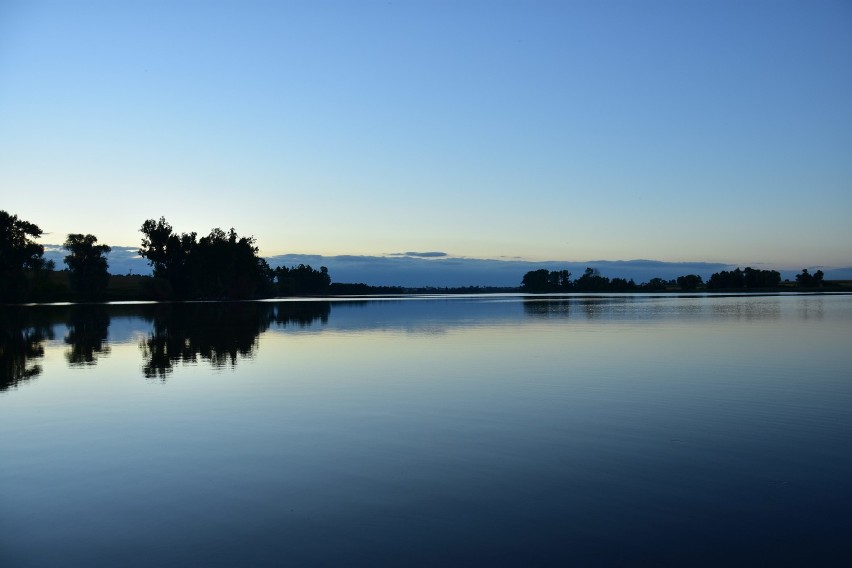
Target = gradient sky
(679,131)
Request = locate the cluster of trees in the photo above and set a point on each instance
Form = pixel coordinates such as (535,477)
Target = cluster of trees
(544,281)
(748,278)
(217,266)
(24,271)
(220,265)
(302,280)
(21,258)
(87,265)
(806,280)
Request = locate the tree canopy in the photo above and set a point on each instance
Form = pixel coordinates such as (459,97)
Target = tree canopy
(302,279)
(749,278)
(19,253)
(218,266)
(542,280)
(89,270)
(808,280)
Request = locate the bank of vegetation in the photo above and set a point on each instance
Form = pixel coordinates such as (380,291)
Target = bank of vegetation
(737,280)
(222,265)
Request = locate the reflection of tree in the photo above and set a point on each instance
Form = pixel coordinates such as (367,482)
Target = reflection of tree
(220,333)
(87,334)
(22,335)
(591,307)
(301,313)
(547,308)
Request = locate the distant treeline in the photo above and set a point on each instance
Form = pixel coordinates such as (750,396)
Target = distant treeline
(554,281)
(222,265)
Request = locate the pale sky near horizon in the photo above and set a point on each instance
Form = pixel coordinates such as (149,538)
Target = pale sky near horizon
(717,131)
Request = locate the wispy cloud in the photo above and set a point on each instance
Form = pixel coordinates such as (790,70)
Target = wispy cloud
(433,254)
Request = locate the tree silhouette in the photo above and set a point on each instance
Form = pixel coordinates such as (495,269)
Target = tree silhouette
(88,326)
(808,280)
(755,278)
(167,253)
(218,266)
(302,279)
(656,285)
(726,279)
(748,278)
(220,333)
(22,335)
(592,281)
(19,253)
(622,285)
(689,281)
(226,266)
(543,281)
(87,264)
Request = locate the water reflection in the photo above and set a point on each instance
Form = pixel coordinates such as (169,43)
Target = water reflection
(581,430)
(635,307)
(768,308)
(218,333)
(301,314)
(547,307)
(22,335)
(88,327)
(811,308)
(221,334)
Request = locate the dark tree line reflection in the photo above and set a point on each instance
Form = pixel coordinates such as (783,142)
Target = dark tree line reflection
(218,333)
(22,336)
(630,307)
(561,307)
(547,308)
(88,327)
(185,333)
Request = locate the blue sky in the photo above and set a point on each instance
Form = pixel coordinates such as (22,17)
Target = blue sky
(693,131)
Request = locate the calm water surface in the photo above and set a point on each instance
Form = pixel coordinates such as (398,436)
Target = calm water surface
(491,430)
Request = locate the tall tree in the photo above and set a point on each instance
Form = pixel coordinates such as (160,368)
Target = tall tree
(689,281)
(591,281)
(19,253)
(167,253)
(302,279)
(88,266)
(542,281)
(218,266)
(756,278)
(807,280)
(225,265)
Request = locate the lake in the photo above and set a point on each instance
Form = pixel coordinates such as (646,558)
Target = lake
(502,430)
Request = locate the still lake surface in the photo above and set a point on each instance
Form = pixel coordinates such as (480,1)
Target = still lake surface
(436,431)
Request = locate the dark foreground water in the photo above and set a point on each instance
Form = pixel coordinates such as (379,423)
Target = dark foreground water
(481,431)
